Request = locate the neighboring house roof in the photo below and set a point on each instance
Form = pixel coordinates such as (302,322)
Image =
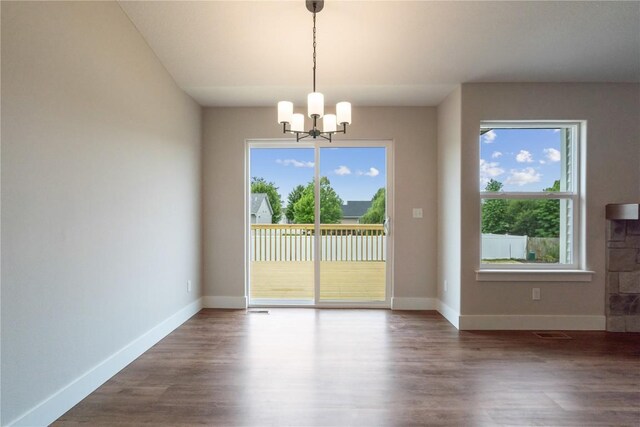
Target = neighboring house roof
(355,208)
(256,202)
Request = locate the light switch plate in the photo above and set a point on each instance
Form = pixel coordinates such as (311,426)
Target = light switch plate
(417,212)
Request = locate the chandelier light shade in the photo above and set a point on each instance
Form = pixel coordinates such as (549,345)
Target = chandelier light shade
(285,111)
(331,123)
(315,102)
(297,123)
(343,112)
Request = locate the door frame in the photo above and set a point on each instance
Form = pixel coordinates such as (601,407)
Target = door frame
(388,144)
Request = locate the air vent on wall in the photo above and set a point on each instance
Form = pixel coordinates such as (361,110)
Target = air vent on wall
(552,335)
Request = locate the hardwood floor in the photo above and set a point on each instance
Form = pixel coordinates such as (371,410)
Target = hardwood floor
(306,367)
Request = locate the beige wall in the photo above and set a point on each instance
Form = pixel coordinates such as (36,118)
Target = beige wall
(100,194)
(449,175)
(413,131)
(612,112)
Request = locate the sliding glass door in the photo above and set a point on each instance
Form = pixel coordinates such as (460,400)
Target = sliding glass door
(281,249)
(353,187)
(318,223)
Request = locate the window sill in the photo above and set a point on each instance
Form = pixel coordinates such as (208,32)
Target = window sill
(505,275)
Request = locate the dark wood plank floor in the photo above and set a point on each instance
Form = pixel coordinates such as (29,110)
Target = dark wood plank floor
(305,367)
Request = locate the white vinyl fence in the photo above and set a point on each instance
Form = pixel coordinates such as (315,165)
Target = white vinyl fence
(500,246)
(339,242)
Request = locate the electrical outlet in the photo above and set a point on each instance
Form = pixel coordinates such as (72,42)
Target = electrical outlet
(446,286)
(417,212)
(535,294)
(188,285)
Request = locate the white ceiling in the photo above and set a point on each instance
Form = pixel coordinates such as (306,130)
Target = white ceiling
(254,53)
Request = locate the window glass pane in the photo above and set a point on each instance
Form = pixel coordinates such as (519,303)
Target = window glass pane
(527,231)
(526,159)
(282,237)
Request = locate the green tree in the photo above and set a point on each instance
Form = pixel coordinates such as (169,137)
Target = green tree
(376,212)
(494,211)
(521,215)
(534,218)
(548,214)
(293,197)
(330,204)
(303,209)
(260,185)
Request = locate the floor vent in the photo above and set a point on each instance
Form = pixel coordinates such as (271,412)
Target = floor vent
(552,335)
(257,311)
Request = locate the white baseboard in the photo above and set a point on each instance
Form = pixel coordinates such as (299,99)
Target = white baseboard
(225,302)
(414,304)
(532,322)
(50,409)
(449,313)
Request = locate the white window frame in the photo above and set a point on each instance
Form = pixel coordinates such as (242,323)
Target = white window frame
(493,271)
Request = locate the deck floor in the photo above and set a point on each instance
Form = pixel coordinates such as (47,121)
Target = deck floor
(339,280)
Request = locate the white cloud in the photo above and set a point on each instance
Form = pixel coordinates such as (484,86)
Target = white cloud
(489,137)
(524,157)
(372,172)
(295,163)
(342,170)
(496,154)
(556,130)
(552,154)
(542,162)
(523,176)
(489,170)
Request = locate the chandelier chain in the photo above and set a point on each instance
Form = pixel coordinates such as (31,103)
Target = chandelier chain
(314,47)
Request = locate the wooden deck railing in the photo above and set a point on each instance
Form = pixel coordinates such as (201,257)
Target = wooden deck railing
(339,242)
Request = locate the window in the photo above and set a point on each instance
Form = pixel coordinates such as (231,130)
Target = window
(530,195)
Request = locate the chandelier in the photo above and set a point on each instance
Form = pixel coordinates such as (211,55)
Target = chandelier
(294,123)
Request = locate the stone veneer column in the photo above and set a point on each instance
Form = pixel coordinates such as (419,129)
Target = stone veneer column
(623,276)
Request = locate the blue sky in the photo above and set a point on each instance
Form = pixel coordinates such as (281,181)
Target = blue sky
(355,173)
(522,159)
